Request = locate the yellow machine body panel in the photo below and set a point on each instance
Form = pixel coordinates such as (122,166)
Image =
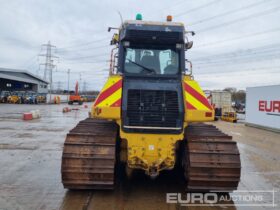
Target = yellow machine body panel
(108,103)
(197,107)
(13,99)
(151,152)
(229,114)
(229,117)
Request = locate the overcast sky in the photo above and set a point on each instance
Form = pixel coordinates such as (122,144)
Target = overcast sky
(236,43)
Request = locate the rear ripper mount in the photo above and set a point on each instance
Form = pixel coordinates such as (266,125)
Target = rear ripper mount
(210,158)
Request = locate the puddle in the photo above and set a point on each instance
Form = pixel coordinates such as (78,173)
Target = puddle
(24,135)
(16,147)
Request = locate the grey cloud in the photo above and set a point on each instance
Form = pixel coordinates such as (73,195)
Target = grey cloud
(25,25)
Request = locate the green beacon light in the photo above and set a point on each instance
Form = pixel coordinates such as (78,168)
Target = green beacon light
(138,16)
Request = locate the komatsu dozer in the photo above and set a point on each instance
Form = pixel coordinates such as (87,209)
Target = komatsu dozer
(150,115)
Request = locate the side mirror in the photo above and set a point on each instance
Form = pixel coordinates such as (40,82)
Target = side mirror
(110,28)
(189,45)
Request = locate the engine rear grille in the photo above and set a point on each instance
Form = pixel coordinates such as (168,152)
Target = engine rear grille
(153,108)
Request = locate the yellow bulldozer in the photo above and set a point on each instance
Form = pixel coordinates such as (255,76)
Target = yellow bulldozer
(149,115)
(14,99)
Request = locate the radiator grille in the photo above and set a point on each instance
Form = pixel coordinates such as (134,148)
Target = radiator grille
(153,108)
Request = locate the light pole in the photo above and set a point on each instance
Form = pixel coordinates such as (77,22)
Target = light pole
(68,72)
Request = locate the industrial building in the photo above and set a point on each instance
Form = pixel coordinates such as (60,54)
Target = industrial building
(21,80)
(263,107)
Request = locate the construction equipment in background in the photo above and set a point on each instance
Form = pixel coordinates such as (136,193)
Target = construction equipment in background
(149,116)
(14,98)
(41,98)
(4,96)
(84,98)
(90,98)
(75,98)
(29,98)
(22,97)
(229,114)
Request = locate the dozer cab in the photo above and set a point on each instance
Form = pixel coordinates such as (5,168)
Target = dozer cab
(149,115)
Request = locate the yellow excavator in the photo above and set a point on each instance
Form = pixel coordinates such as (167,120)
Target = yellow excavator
(149,115)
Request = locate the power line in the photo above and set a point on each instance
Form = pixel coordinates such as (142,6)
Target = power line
(264,53)
(174,4)
(85,57)
(28,62)
(31,64)
(84,44)
(248,56)
(236,61)
(99,70)
(241,70)
(68,83)
(96,61)
(197,8)
(83,49)
(241,52)
(243,56)
(75,40)
(259,14)
(237,38)
(228,12)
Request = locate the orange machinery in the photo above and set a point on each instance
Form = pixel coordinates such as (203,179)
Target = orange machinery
(76,98)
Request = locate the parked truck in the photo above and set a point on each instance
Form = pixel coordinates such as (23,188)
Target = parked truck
(222,104)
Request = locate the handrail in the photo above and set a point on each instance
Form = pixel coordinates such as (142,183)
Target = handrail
(112,61)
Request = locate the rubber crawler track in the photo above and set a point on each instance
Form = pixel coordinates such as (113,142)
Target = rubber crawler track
(88,159)
(211,160)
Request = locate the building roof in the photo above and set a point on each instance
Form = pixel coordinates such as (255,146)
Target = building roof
(20,75)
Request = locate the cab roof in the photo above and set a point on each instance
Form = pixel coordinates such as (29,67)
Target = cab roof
(152,23)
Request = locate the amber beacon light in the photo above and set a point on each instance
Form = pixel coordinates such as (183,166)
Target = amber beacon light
(169,18)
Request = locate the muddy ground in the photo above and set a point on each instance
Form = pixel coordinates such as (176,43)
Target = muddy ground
(30,155)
